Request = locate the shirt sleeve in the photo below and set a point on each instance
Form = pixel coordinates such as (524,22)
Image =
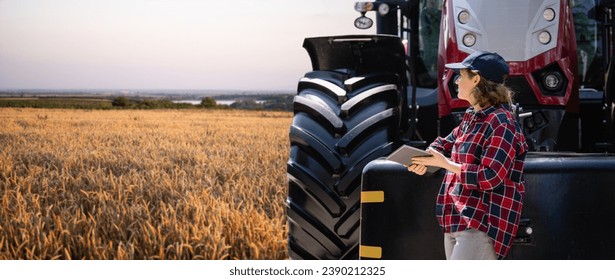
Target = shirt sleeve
(497,159)
(444,145)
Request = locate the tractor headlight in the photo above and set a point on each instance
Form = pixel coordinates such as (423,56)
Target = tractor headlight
(469,40)
(383,9)
(363,7)
(544,37)
(529,230)
(363,22)
(552,81)
(548,14)
(463,17)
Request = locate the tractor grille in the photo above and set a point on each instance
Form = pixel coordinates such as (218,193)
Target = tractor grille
(522,92)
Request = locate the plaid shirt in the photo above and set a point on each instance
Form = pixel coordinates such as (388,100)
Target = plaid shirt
(488,195)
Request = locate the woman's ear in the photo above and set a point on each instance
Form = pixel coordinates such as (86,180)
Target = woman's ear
(476,79)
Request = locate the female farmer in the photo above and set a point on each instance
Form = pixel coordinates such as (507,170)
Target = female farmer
(479,203)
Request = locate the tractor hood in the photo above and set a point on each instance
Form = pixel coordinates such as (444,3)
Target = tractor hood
(358,53)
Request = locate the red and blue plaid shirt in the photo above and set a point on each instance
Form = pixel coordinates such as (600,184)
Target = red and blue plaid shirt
(488,195)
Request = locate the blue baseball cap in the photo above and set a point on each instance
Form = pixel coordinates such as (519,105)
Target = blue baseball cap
(489,65)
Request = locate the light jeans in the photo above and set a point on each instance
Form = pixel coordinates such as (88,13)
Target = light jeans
(470,244)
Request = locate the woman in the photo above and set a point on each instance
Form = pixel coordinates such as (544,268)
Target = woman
(480,200)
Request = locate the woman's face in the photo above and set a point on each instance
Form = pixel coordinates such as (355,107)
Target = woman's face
(466,84)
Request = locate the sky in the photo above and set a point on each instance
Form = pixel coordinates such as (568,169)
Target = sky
(164,44)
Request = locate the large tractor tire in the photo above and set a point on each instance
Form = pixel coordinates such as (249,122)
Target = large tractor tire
(340,124)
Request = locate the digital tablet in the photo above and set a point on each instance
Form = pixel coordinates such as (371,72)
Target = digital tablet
(405,154)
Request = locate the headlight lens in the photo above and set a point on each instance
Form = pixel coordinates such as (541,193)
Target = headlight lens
(363,7)
(469,40)
(383,9)
(552,81)
(363,22)
(544,37)
(548,14)
(529,230)
(463,17)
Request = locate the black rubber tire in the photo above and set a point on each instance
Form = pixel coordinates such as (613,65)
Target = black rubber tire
(609,87)
(340,124)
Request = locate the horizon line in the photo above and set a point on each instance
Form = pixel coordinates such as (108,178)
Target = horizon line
(139,90)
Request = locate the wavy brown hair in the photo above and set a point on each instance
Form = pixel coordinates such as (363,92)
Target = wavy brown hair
(487,92)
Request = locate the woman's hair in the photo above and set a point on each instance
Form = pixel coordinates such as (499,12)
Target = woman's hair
(487,92)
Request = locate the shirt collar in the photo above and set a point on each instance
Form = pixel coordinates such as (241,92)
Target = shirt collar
(487,111)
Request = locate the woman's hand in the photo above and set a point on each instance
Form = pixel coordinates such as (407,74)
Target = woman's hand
(419,164)
(436,159)
(417,168)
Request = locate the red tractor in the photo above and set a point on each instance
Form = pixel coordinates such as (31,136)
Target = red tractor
(369,94)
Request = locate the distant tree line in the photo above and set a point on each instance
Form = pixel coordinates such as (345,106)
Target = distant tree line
(59,103)
(124,102)
(248,102)
(272,103)
(267,103)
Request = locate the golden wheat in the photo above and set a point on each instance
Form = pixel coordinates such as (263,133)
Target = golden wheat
(165,184)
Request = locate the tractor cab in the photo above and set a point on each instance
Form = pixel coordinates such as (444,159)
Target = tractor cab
(558,52)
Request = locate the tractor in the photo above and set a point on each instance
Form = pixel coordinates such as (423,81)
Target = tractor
(369,94)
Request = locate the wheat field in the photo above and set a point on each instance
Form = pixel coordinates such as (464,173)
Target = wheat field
(130,184)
